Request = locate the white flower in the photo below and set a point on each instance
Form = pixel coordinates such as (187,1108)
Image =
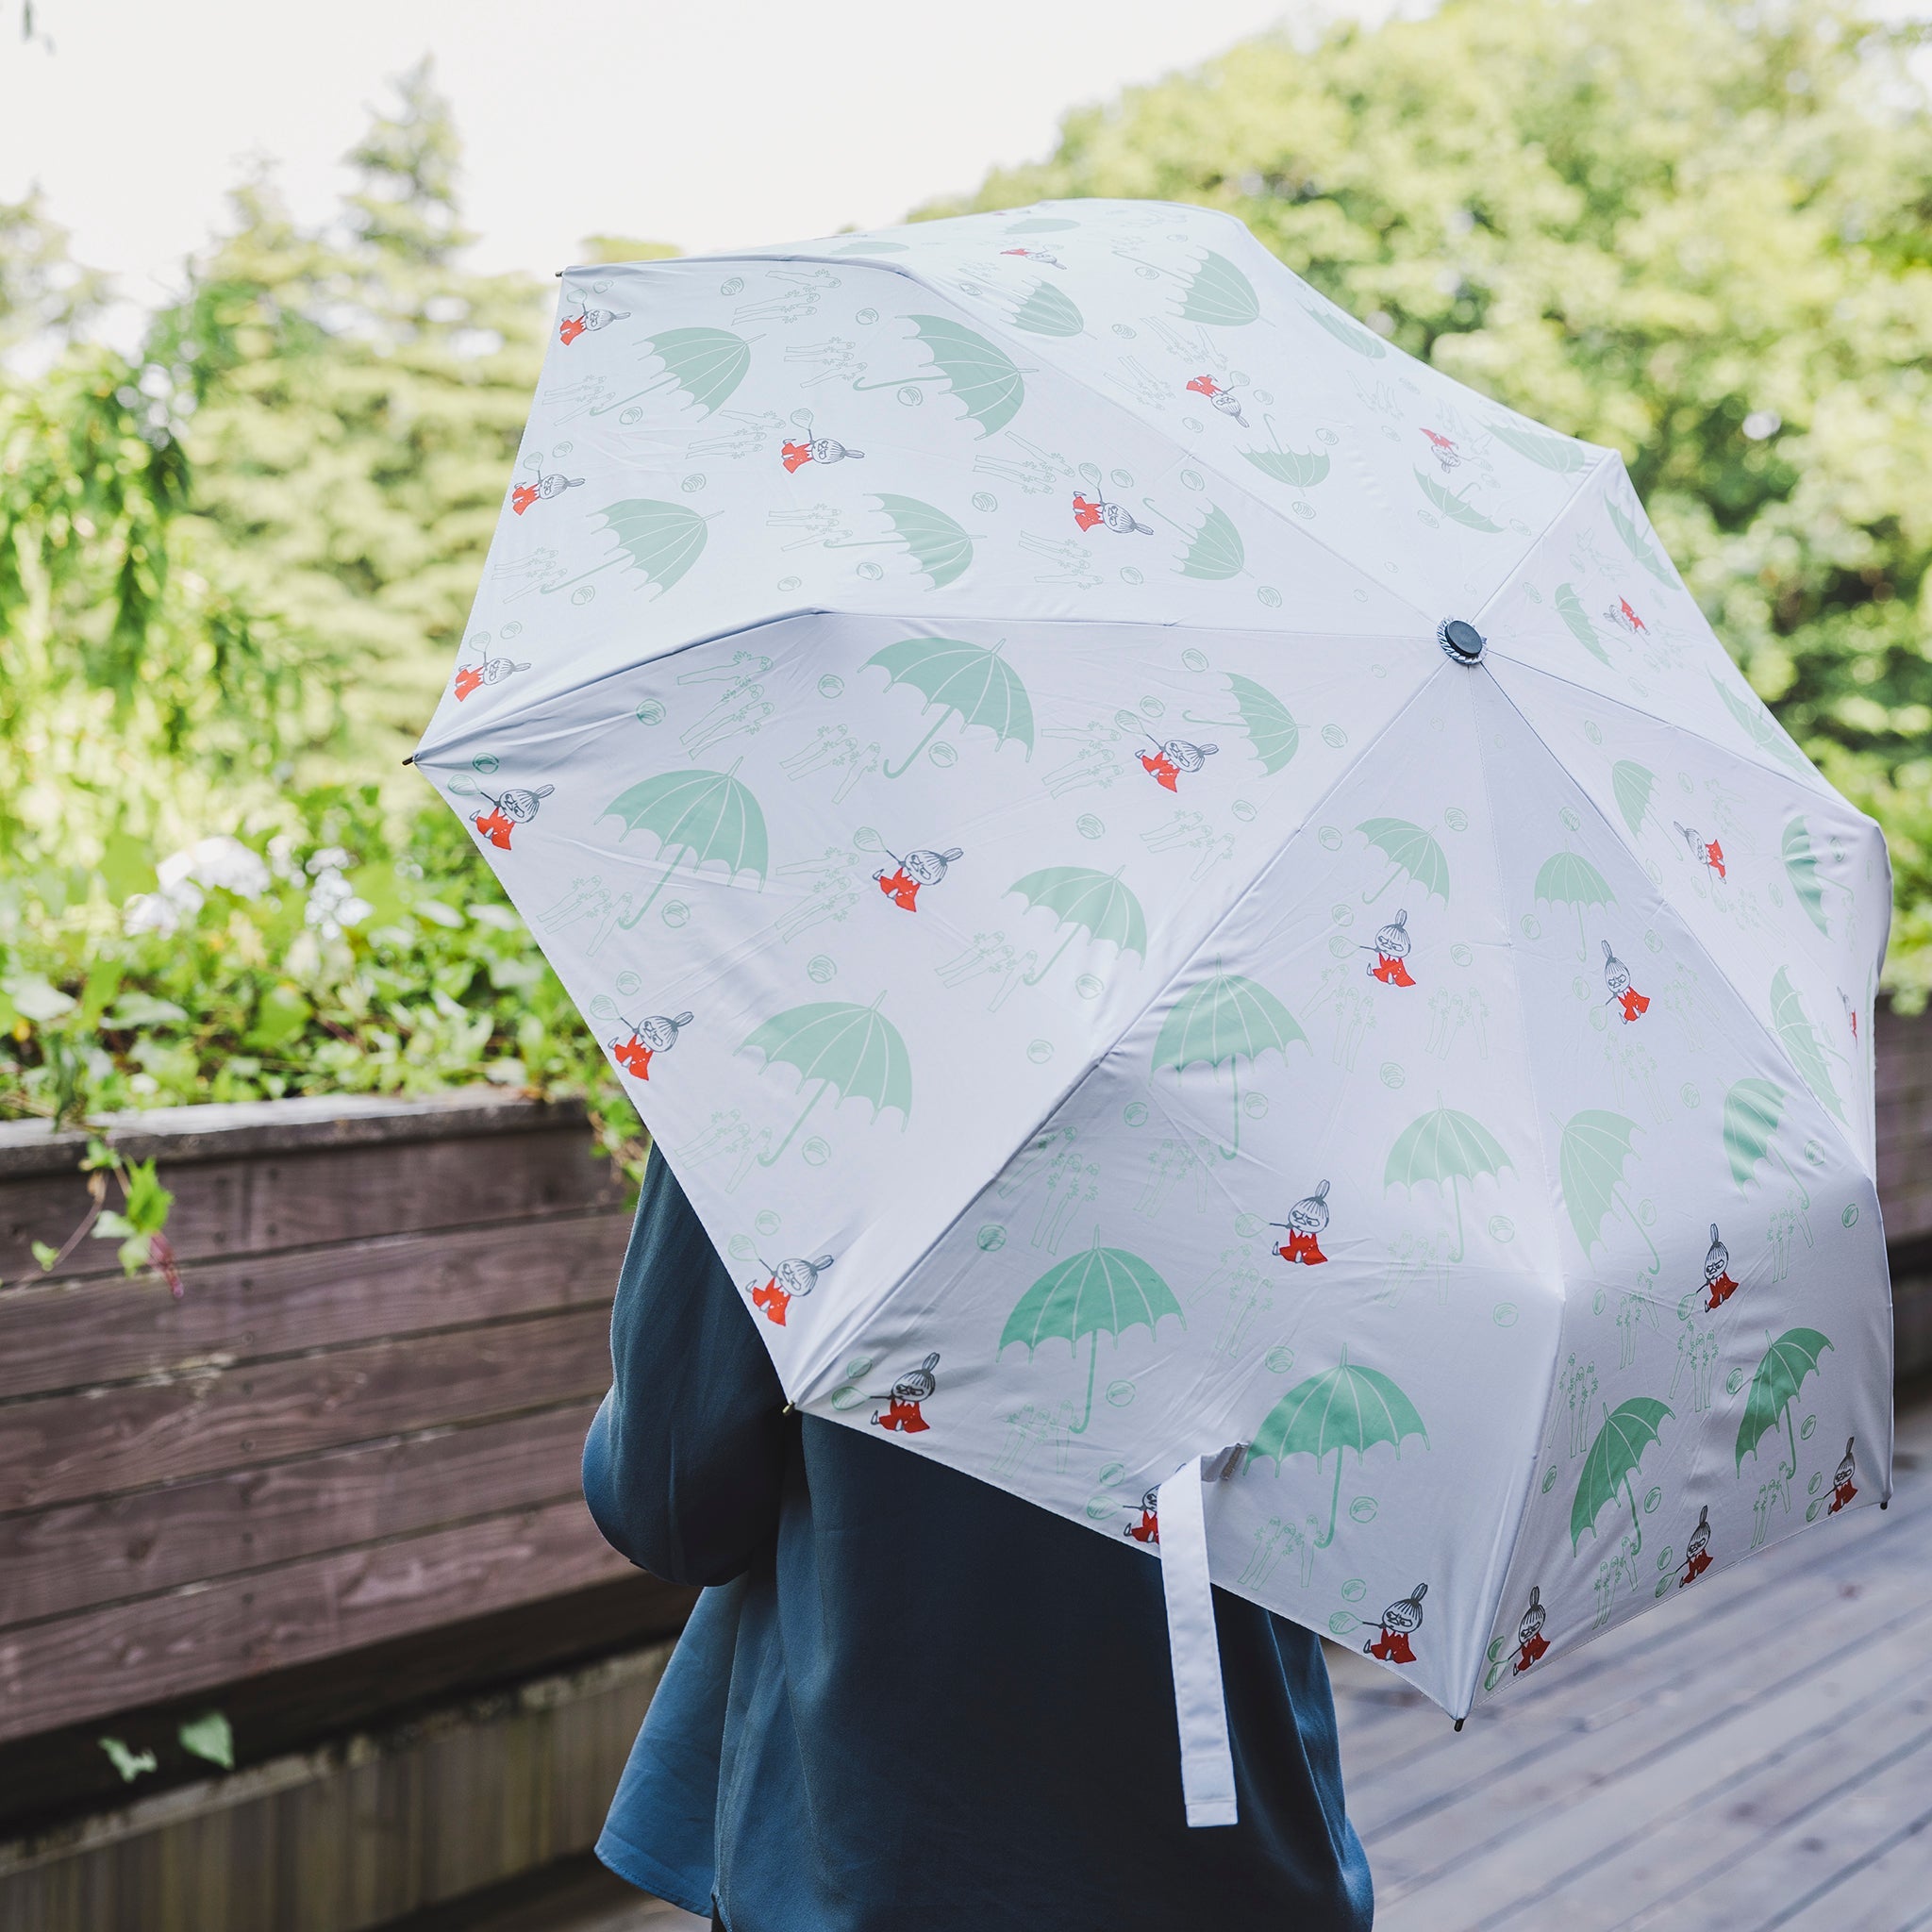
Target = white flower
(333,903)
(166,911)
(219,861)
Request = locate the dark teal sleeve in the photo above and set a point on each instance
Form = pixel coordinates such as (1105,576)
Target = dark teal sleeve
(684,1462)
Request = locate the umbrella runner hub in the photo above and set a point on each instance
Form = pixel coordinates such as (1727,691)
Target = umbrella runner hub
(1463,643)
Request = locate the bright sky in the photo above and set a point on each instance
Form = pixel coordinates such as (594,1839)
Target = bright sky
(709,124)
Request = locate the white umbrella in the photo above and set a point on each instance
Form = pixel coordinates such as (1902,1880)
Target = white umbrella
(1226,878)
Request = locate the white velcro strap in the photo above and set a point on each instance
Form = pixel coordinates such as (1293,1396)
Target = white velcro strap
(1207,1762)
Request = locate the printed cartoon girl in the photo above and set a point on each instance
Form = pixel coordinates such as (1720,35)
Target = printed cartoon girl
(1400,1621)
(1697,1551)
(524,494)
(1842,1490)
(1717,1273)
(908,1391)
(786,1283)
(1116,516)
(1390,950)
(513,808)
(1165,763)
(659,1034)
(1851,1013)
(1617,977)
(571,326)
(916,869)
(1445,452)
(491,671)
(1148,1529)
(820,449)
(1225,400)
(1620,613)
(1038,255)
(1711,855)
(1530,1642)
(1306,1221)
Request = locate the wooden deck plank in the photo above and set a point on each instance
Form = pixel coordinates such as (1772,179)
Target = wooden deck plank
(1758,1757)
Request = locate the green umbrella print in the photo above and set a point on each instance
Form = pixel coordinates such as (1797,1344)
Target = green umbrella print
(968,681)
(853,1048)
(1590,1167)
(1083,900)
(1448,1148)
(978,373)
(1760,725)
(1215,291)
(1753,1109)
(1102,1291)
(1290,466)
(1411,853)
(1346,1408)
(710,818)
(1273,733)
(1775,1388)
(708,365)
(1568,878)
(1801,868)
(1555,453)
(1220,1023)
(660,540)
(1640,546)
(937,545)
(1569,608)
(1048,312)
(1215,551)
(1349,333)
(1802,1042)
(1458,510)
(1632,785)
(1628,1430)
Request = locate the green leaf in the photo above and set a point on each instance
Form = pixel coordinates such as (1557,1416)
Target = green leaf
(148,1201)
(37,999)
(209,1737)
(280,1015)
(46,1254)
(130,1764)
(136,1009)
(126,866)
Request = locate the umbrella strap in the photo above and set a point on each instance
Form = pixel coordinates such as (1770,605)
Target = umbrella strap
(1207,1761)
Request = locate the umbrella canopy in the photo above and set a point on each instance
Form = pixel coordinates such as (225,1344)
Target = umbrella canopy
(1190,839)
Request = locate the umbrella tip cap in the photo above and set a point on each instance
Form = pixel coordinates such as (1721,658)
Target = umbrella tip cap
(1460,641)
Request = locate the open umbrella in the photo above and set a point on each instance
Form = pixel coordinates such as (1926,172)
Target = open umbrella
(1083,900)
(1389,601)
(1448,1148)
(854,1050)
(1775,1387)
(971,682)
(1348,1407)
(1098,1291)
(1225,1020)
(1628,1431)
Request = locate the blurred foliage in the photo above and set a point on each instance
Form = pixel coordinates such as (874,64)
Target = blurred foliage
(1697,230)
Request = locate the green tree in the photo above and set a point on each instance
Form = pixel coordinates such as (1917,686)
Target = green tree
(1697,230)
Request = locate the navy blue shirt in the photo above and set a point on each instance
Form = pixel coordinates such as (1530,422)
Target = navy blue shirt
(908,1702)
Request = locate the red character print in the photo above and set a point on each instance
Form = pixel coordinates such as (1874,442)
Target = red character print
(1400,1621)
(1392,953)
(1711,855)
(1148,1529)
(1851,1013)
(1038,255)
(1531,1644)
(1625,996)
(1307,1221)
(913,1387)
(1697,1552)
(1222,399)
(1717,1273)
(1117,517)
(490,671)
(1620,613)
(542,490)
(1167,762)
(785,1284)
(1444,450)
(916,869)
(1842,1490)
(659,1034)
(571,326)
(512,810)
(819,449)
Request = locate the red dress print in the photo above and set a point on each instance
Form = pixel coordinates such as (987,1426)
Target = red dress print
(1843,1491)
(1714,858)
(1148,1529)
(796,455)
(1695,1564)
(1632,1002)
(1446,452)
(1303,1247)
(1391,972)
(1842,1494)
(1398,1620)
(633,1055)
(468,678)
(1630,618)
(574,325)
(524,495)
(1087,514)
(771,1300)
(900,888)
(1158,766)
(1722,1289)
(494,826)
(1528,1651)
(1392,1647)
(904,1416)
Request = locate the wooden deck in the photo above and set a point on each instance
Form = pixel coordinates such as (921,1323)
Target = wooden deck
(1755,1754)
